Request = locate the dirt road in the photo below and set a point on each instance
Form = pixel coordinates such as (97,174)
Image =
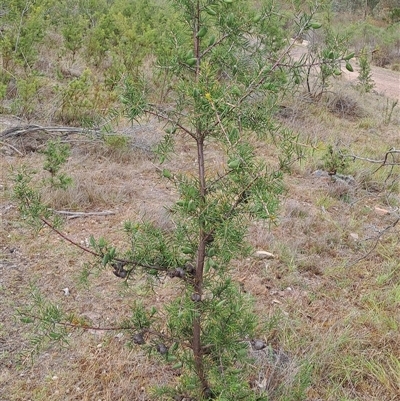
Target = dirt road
(387,82)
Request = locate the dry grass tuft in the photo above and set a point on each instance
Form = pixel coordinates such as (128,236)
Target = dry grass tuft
(345,107)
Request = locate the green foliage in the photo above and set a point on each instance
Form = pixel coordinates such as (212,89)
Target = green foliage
(3,90)
(153,247)
(56,155)
(73,33)
(28,198)
(77,99)
(226,322)
(47,319)
(128,30)
(25,26)
(27,99)
(224,91)
(394,15)
(335,161)
(27,191)
(112,36)
(325,58)
(224,67)
(366,82)
(287,142)
(116,141)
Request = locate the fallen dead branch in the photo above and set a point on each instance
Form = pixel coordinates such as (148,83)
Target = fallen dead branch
(74,215)
(21,132)
(383,161)
(389,160)
(27,129)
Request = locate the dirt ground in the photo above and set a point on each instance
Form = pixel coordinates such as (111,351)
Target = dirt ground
(332,284)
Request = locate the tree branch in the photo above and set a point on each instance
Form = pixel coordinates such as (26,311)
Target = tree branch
(383,161)
(170,120)
(87,250)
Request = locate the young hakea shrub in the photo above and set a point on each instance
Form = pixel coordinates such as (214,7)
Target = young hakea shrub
(226,67)
(225,71)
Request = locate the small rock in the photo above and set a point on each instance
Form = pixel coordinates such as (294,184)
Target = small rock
(354,236)
(138,338)
(264,255)
(178,272)
(195,297)
(162,349)
(381,212)
(258,344)
(66,291)
(320,173)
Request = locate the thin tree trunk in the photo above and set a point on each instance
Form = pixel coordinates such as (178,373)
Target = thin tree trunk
(201,250)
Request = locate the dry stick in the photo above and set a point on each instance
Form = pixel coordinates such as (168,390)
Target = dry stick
(383,162)
(12,147)
(33,128)
(74,215)
(378,237)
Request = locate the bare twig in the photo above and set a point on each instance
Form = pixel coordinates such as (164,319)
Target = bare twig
(83,248)
(383,161)
(83,326)
(377,239)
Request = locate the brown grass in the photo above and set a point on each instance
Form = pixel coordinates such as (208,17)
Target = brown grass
(333,288)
